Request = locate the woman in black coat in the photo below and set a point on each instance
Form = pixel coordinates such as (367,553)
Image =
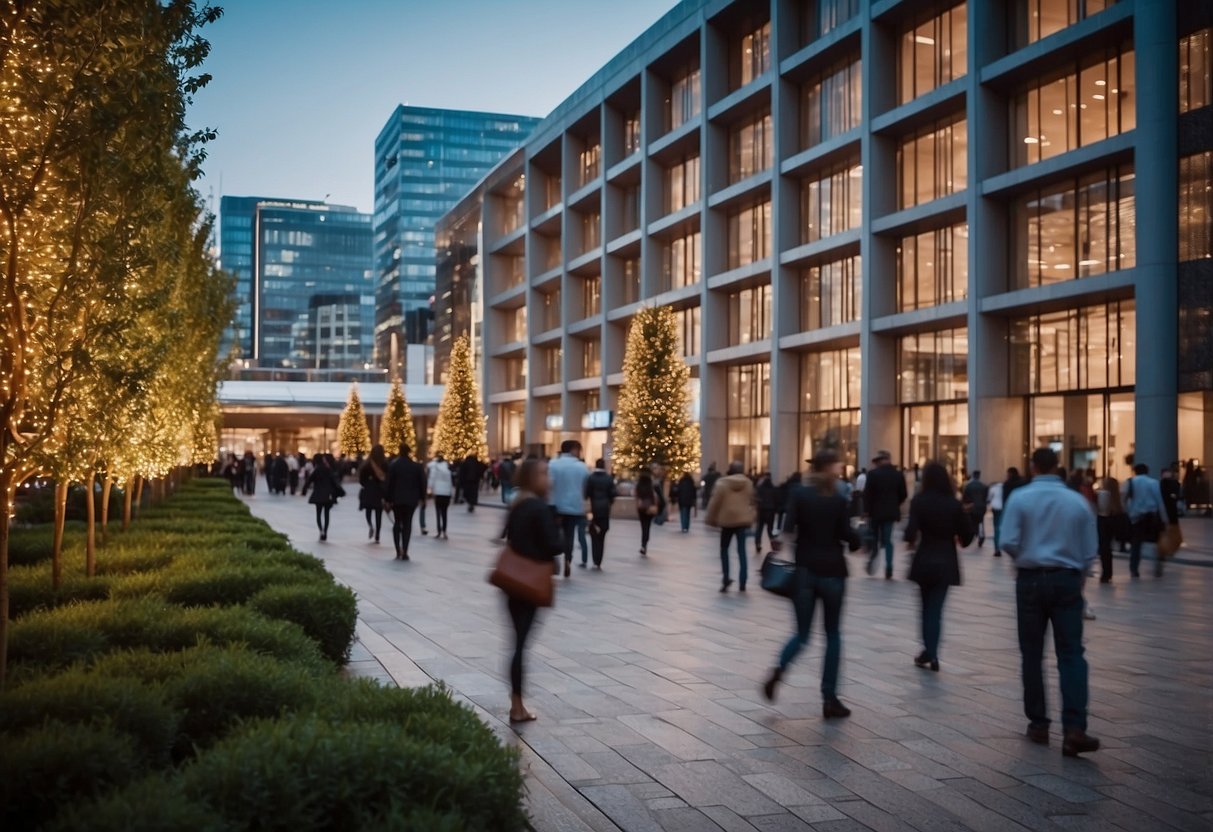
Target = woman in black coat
(372,476)
(326,488)
(684,491)
(937,521)
(768,501)
(531,531)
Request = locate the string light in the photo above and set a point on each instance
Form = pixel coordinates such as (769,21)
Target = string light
(353,436)
(397,426)
(461,428)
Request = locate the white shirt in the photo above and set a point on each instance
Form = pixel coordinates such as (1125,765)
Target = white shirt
(996,496)
(439,474)
(861,481)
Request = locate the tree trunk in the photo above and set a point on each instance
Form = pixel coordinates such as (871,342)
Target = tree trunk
(138,496)
(90,537)
(128,491)
(57,544)
(7,488)
(106,486)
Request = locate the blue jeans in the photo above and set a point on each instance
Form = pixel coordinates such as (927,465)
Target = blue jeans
(997,527)
(1137,538)
(884,537)
(809,589)
(933,596)
(684,514)
(1044,598)
(726,536)
(582,524)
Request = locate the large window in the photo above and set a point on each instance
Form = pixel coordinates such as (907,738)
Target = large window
(591,296)
(591,225)
(683,103)
(749,234)
(688,331)
(1091,348)
(933,164)
(1036,19)
(681,184)
(1075,229)
(748,415)
(831,294)
(631,133)
(933,366)
(1196,206)
(831,103)
(932,54)
(751,56)
(820,17)
(513,374)
(1195,79)
(550,313)
(1090,103)
(750,148)
(829,395)
(551,358)
(631,280)
(589,162)
(591,358)
(680,264)
(833,202)
(933,268)
(750,315)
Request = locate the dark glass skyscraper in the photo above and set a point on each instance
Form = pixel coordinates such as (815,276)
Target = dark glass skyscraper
(236,214)
(425,161)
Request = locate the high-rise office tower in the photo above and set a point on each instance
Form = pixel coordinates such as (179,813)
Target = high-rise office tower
(425,160)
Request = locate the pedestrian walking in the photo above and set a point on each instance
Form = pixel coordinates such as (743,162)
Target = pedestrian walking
(1051,532)
(568,475)
(647,503)
(975,496)
(937,521)
(531,531)
(1110,522)
(471,472)
(505,471)
(600,492)
(280,475)
(709,484)
(372,476)
(441,485)
(1142,498)
(732,509)
(405,490)
(818,525)
(1172,496)
(767,496)
(249,470)
(996,505)
(884,491)
(292,472)
(325,486)
(1012,482)
(685,497)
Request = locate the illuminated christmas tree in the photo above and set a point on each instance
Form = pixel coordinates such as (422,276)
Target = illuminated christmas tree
(397,429)
(652,422)
(353,436)
(460,429)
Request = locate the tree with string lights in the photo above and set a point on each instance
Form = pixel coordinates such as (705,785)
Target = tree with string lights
(396,429)
(653,423)
(461,427)
(353,436)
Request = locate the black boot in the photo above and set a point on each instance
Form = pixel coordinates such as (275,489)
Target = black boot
(833,709)
(768,688)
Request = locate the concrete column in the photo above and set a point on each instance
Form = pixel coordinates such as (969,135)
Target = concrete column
(1156,41)
(533,419)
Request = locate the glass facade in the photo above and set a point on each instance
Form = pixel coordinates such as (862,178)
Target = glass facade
(832,202)
(750,315)
(1089,348)
(933,268)
(829,396)
(933,366)
(685,98)
(236,215)
(680,263)
(748,415)
(425,161)
(932,53)
(832,293)
(1075,229)
(1032,20)
(681,185)
(1196,206)
(749,234)
(751,56)
(688,331)
(933,163)
(1095,100)
(750,148)
(831,103)
(1195,76)
(820,17)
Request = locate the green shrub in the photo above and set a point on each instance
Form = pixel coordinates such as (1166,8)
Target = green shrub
(30,588)
(326,611)
(307,773)
(154,804)
(59,764)
(79,696)
(183,584)
(428,713)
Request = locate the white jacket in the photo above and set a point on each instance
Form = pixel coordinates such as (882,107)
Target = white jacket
(439,476)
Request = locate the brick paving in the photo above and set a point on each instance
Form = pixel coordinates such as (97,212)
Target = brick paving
(646,680)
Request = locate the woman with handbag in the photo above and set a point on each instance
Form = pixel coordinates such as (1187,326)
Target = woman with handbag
(937,521)
(819,519)
(531,532)
(647,506)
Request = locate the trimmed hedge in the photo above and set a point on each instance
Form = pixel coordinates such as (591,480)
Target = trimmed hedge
(326,612)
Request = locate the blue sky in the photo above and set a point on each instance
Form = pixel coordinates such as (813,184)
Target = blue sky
(302,87)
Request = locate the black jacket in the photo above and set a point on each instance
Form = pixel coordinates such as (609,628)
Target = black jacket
(405,482)
(936,522)
(883,494)
(324,485)
(600,491)
(686,491)
(822,524)
(768,496)
(1172,493)
(532,531)
(471,472)
(373,488)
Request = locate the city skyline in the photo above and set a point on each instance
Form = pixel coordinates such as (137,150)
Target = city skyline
(335,109)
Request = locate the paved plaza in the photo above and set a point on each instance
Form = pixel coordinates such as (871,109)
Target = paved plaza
(646,681)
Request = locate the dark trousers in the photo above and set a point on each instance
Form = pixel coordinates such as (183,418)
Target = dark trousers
(522,615)
(1138,537)
(978,519)
(374,520)
(402,527)
(598,539)
(811,588)
(933,596)
(997,527)
(726,537)
(646,525)
(582,524)
(884,537)
(293,478)
(1104,526)
(421,511)
(568,528)
(441,504)
(322,516)
(1045,598)
(766,520)
(684,515)
(472,496)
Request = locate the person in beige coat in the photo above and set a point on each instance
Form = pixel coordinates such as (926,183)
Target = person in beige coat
(732,510)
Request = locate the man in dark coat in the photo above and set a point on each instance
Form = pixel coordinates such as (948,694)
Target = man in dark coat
(883,494)
(600,491)
(709,483)
(471,472)
(403,492)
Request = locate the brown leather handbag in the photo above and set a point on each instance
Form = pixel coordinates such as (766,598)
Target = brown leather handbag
(524,579)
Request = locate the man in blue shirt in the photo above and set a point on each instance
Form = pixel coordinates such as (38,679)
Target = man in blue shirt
(568,475)
(1050,531)
(1142,499)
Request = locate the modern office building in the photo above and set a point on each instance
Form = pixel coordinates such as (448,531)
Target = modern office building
(425,160)
(304,282)
(957,231)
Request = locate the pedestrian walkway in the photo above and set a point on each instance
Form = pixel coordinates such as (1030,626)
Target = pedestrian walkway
(646,681)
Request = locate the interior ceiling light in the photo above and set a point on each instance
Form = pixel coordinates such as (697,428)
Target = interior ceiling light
(1101,83)
(924,40)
